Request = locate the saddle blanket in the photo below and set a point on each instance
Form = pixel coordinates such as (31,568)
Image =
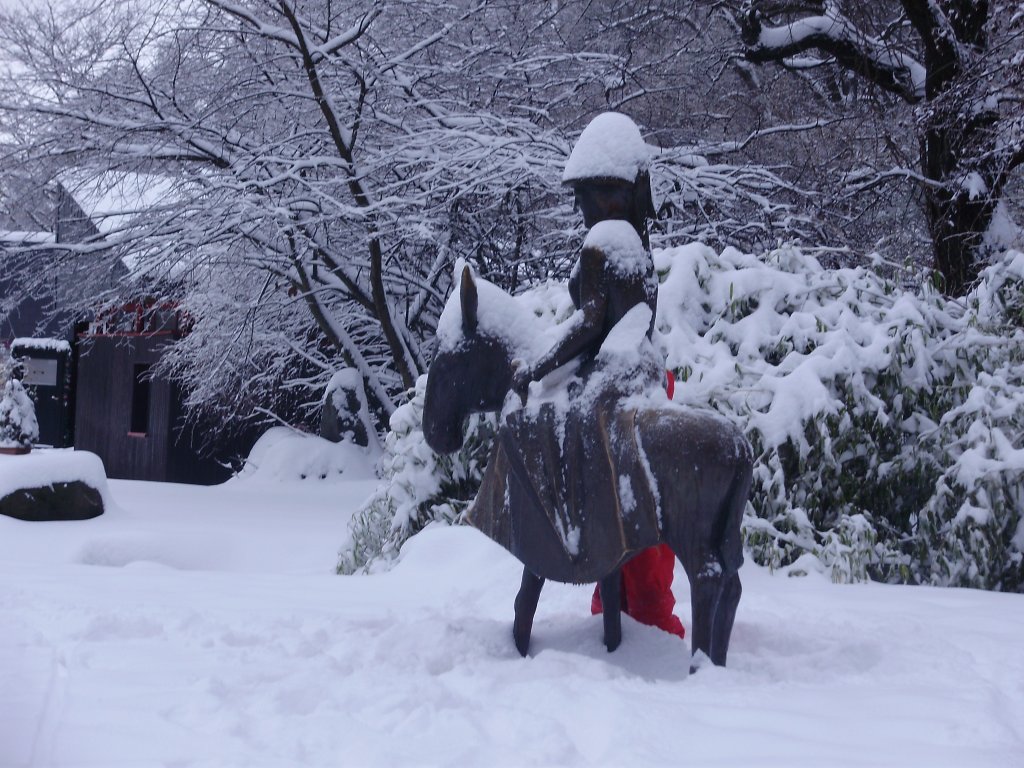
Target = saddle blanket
(570,494)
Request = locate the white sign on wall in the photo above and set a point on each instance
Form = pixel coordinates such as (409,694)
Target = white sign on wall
(39,373)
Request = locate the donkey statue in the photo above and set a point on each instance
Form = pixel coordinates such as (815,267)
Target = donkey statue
(699,465)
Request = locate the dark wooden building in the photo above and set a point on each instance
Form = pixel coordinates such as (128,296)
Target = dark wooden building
(23,315)
(126,413)
(107,398)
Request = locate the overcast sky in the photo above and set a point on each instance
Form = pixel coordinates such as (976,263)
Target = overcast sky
(7,4)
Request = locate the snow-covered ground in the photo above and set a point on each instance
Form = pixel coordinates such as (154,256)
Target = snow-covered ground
(204,627)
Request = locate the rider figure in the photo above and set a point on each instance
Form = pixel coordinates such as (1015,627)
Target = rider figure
(608,171)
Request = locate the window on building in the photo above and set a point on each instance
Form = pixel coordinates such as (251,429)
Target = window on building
(140,400)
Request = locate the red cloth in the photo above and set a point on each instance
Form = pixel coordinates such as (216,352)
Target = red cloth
(647,590)
(647,579)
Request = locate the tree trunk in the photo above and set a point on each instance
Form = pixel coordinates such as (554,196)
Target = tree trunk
(959,203)
(957,227)
(956,133)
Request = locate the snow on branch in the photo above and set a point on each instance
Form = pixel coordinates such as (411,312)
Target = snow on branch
(862,181)
(728,147)
(886,66)
(271,31)
(350,35)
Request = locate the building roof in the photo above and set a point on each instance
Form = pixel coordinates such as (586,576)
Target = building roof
(111,199)
(17,238)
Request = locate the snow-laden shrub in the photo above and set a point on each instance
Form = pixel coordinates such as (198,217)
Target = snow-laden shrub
(886,420)
(419,486)
(18,425)
(883,419)
(971,530)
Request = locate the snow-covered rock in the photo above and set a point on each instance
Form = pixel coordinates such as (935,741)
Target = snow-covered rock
(53,484)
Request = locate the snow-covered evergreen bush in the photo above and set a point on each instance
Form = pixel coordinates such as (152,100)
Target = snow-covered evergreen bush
(18,425)
(887,420)
(883,418)
(419,487)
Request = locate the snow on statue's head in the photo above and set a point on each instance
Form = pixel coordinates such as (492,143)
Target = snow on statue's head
(608,171)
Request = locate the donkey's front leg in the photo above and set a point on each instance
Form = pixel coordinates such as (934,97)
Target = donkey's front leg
(610,597)
(526,607)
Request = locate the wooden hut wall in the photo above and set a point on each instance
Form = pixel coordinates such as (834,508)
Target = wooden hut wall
(103,415)
(184,464)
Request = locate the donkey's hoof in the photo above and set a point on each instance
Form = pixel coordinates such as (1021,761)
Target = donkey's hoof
(612,640)
(698,660)
(522,640)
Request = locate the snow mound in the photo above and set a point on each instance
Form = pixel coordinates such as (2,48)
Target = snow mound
(284,454)
(266,660)
(610,147)
(179,552)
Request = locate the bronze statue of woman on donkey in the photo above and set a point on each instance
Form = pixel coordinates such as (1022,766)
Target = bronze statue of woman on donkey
(595,474)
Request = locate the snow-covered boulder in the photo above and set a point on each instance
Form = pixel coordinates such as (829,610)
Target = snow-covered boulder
(53,485)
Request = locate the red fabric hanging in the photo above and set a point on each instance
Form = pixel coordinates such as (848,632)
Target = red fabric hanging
(647,578)
(647,590)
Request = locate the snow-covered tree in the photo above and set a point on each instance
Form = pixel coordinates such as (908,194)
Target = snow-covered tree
(960,61)
(18,425)
(317,161)
(316,168)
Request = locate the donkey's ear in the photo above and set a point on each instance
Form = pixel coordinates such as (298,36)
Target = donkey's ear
(470,301)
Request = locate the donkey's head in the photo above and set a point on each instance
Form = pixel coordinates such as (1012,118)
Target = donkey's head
(471,372)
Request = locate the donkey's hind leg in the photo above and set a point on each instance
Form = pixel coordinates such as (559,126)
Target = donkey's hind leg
(611,586)
(715,595)
(729,559)
(526,607)
(705,596)
(725,614)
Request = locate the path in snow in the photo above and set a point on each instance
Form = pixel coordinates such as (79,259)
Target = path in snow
(204,627)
